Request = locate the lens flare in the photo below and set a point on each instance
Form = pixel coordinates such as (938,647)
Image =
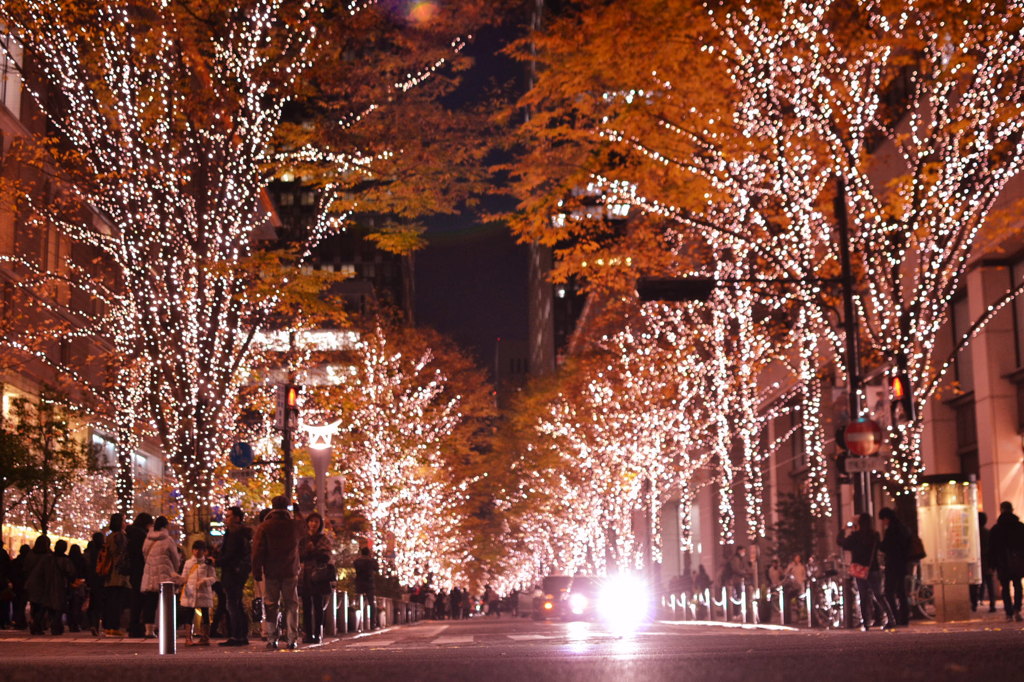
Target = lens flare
(422,12)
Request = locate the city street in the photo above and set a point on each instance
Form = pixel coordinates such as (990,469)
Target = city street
(521,649)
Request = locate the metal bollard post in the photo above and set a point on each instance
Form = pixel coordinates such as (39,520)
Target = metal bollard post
(331,623)
(168,618)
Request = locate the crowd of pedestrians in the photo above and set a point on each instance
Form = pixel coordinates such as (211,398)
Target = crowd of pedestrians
(112,587)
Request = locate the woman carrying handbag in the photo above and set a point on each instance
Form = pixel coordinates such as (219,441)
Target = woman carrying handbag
(863,547)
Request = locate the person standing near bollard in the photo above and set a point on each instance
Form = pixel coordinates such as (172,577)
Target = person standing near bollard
(863,547)
(161,555)
(366,571)
(198,577)
(1006,550)
(896,547)
(115,582)
(235,563)
(136,535)
(275,559)
(315,579)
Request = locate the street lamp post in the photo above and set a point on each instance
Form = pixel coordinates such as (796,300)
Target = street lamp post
(320,454)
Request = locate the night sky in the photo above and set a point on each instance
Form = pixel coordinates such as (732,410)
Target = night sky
(471,278)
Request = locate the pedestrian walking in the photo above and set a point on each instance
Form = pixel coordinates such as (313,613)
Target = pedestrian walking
(275,560)
(136,535)
(428,605)
(1006,553)
(317,574)
(160,552)
(235,562)
(111,565)
(979,591)
(863,546)
(895,546)
(366,572)
(94,583)
(198,577)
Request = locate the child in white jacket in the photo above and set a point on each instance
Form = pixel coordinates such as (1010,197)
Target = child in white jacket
(197,578)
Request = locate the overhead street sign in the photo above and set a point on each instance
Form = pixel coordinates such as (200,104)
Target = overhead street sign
(863,437)
(241,455)
(858,465)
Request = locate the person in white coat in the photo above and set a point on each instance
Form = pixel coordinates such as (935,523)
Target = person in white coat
(197,579)
(161,554)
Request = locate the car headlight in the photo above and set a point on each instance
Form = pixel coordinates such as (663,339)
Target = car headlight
(548,605)
(578,603)
(624,602)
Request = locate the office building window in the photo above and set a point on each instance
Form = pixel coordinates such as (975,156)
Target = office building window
(961,323)
(10,86)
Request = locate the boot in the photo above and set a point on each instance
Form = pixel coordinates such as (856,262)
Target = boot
(150,631)
(188,635)
(204,635)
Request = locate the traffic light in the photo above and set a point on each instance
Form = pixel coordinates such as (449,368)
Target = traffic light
(287,413)
(901,399)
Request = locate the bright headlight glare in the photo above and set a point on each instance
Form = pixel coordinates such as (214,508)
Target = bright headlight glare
(623,603)
(578,603)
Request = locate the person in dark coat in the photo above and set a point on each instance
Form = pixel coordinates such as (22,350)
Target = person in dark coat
(94,583)
(275,559)
(235,561)
(455,603)
(896,547)
(315,555)
(366,571)
(46,586)
(115,583)
(20,599)
(1006,553)
(863,546)
(78,591)
(6,588)
(136,534)
(978,592)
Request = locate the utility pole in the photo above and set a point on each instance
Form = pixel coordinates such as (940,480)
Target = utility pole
(862,500)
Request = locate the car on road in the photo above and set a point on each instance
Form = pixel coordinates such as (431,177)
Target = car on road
(551,604)
(581,598)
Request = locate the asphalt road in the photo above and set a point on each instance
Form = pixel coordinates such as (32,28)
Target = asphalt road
(520,649)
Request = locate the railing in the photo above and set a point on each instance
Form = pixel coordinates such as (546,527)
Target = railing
(355,613)
(821,603)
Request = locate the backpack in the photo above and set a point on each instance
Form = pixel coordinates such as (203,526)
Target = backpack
(103,563)
(916,551)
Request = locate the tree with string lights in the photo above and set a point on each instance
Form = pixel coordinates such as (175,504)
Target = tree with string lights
(915,108)
(166,117)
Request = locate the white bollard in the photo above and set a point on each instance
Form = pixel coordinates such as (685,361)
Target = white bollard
(168,618)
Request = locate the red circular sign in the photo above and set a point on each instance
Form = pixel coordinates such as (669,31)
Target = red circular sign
(863,437)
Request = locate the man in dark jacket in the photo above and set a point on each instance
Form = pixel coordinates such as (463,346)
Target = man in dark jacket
(985,588)
(895,545)
(235,562)
(1006,553)
(136,535)
(366,570)
(275,556)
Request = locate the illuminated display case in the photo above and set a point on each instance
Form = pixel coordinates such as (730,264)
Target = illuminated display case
(947,521)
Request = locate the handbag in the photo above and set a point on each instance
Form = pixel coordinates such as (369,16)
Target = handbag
(860,570)
(323,575)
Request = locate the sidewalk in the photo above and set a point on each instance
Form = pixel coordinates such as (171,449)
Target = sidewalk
(980,620)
